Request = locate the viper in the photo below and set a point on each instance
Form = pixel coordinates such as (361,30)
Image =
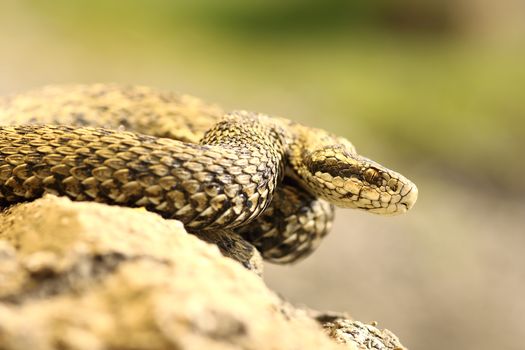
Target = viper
(238,179)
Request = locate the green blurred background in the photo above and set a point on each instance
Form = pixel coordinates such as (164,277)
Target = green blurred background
(434,89)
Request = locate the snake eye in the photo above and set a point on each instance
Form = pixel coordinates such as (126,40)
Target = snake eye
(371,175)
(393,185)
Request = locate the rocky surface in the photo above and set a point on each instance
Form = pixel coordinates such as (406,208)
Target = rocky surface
(90,276)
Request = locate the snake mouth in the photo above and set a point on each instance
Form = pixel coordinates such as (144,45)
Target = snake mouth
(401,207)
(410,198)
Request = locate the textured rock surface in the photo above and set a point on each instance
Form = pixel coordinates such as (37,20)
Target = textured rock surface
(90,276)
(344,330)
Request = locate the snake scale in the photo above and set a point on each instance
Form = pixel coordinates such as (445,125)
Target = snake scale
(237,179)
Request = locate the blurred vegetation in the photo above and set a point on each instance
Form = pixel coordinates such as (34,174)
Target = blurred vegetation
(403,73)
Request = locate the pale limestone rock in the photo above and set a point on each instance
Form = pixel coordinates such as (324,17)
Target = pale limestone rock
(90,276)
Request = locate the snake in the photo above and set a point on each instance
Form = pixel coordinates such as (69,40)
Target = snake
(244,180)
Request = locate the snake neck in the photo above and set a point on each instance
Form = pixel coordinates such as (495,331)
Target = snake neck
(304,143)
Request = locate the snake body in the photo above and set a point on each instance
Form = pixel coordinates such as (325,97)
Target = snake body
(184,159)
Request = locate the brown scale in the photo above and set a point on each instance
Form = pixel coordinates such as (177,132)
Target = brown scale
(156,113)
(286,233)
(106,169)
(227,180)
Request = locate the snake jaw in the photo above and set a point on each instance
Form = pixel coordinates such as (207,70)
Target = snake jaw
(349,180)
(399,201)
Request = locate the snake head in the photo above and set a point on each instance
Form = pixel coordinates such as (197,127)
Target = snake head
(341,176)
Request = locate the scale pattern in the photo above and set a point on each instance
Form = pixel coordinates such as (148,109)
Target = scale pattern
(204,186)
(215,172)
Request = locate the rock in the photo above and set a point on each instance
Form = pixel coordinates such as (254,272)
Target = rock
(91,276)
(344,330)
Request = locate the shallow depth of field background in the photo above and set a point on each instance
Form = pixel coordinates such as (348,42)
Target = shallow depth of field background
(434,89)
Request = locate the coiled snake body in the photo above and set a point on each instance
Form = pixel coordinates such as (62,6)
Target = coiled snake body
(187,160)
